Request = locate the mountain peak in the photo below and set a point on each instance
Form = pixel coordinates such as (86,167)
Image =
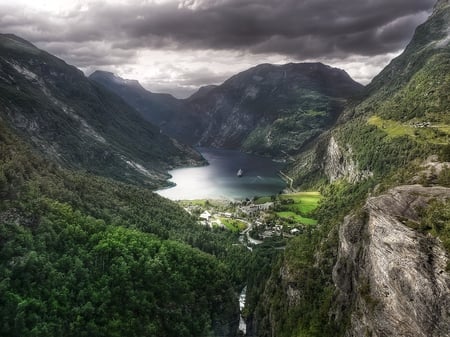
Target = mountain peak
(441,4)
(312,75)
(202,91)
(78,123)
(100,75)
(13,42)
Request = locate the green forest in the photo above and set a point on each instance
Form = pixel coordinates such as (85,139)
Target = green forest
(87,256)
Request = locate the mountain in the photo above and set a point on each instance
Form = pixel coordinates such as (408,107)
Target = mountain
(171,115)
(403,116)
(86,248)
(157,108)
(84,255)
(379,262)
(271,110)
(274,109)
(202,92)
(77,122)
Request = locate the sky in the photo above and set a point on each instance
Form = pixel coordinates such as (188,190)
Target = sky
(176,46)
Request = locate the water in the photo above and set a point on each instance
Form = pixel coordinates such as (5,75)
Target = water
(219,179)
(242,299)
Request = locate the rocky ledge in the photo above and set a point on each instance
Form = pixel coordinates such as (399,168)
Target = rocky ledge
(391,279)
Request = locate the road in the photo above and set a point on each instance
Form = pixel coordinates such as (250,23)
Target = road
(247,233)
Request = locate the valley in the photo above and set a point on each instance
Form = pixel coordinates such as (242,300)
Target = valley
(288,200)
(273,218)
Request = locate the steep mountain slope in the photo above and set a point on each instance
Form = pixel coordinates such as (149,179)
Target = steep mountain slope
(404,115)
(378,263)
(77,122)
(399,274)
(156,107)
(268,109)
(274,110)
(171,115)
(82,255)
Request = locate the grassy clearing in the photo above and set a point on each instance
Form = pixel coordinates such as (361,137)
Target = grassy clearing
(233,225)
(392,128)
(262,200)
(204,203)
(304,202)
(192,202)
(436,134)
(298,206)
(297,218)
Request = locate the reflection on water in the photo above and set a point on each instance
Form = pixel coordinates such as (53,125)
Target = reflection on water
(219,179)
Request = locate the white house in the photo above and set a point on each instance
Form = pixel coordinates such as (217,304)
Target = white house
(294,231)
(205,215)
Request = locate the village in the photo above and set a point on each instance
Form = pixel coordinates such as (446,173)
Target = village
(260,219)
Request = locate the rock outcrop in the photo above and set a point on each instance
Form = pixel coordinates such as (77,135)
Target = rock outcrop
(391,279)
(339,164)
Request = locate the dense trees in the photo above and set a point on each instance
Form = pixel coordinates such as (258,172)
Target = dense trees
(73,275)
(82,255)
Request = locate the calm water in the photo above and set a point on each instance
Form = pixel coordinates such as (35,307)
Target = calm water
(218,180)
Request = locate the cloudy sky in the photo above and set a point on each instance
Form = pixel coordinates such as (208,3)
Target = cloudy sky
(178,45)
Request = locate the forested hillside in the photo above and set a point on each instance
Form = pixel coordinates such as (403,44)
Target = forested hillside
(383,224)
(78,123)
(82,255)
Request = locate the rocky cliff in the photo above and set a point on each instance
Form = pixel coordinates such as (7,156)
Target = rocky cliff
(393,279)
(327,159)
(383,271)
(340,164)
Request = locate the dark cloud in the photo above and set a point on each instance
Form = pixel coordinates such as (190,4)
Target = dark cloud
(114,33)
(298,28)
(305,29)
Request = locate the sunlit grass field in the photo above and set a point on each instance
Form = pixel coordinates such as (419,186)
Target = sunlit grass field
(303,204)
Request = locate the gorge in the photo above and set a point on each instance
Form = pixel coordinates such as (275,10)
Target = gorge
(360,246)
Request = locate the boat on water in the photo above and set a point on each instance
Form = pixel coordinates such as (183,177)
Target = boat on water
(240,173)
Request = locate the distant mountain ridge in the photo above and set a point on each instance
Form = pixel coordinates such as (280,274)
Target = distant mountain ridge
(256,110)
(77,122)
(275,109)
(162,110)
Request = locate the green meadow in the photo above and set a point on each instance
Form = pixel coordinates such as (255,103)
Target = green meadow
(299,206)
(436,134)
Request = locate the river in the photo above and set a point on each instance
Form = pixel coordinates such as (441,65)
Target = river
(242,299)
(219,179)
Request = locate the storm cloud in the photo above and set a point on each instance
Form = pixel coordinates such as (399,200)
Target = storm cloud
(105,34)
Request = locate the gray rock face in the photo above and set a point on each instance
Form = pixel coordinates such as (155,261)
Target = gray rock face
(339,164)
(390,277)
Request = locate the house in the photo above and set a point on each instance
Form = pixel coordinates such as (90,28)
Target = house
(254,209)
(294,231)
(205,216)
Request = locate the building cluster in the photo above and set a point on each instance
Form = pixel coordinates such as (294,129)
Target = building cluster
(246,211)
(254,209)
(421,124)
